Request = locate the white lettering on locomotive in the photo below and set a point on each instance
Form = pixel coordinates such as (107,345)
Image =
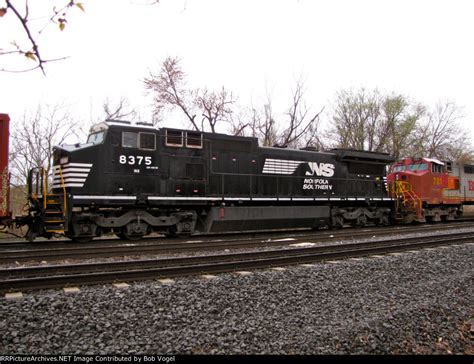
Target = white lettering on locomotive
(317,184)
(321,169)
(135,160)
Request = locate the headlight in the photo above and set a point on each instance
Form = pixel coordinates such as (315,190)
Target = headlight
(64,160)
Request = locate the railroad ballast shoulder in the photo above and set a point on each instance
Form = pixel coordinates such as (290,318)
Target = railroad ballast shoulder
(135,179)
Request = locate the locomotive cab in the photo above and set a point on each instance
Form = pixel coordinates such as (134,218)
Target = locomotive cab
(117,159)
(426,189)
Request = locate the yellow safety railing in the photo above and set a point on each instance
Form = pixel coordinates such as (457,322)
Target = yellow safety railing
(403,191)
(64,190)
(45,188)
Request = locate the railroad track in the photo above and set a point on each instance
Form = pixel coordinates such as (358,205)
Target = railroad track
(50,251)
(41,243)
(41,277)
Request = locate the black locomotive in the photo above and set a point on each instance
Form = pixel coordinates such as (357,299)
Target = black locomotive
(133,179)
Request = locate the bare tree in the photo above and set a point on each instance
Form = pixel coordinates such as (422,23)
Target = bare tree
(119,110)
(400,121)
(240,122)
(257,122)
(392,123)
(301,123)
(441,135)
(355,118)
(33,138)
(111,110)
(268,126)
(374,121)
(215,107)
(300,129)
(264,124)
(28,47)
(169,90)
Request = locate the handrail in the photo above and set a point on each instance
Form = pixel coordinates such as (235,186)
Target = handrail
(403,190)
(45,188)
(64,190)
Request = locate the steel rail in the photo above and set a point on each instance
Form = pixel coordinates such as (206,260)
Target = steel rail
(6,244)
(40,277)
(148,247)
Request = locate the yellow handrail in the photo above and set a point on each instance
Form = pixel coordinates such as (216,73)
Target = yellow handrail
(403,190)
(45,188)
(64,190)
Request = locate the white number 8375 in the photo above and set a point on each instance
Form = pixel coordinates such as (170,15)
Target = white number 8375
(135,160)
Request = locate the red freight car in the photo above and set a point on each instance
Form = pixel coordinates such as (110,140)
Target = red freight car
(427,189)
(4,175)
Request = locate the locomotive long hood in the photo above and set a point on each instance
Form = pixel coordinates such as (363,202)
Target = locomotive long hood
(346,155)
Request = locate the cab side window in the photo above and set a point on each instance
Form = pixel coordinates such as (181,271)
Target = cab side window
(129,139)
(436,168)
(147,141)
(144,141)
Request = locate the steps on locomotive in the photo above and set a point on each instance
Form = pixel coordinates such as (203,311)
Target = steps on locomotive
(54,215)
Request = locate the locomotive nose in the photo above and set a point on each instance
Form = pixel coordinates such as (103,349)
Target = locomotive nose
(400,176)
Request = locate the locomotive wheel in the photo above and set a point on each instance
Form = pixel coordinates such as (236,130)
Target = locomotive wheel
(126,234)
(337,222)
(134,230)
(360,221)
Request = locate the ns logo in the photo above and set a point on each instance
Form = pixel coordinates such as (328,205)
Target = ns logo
(320,169)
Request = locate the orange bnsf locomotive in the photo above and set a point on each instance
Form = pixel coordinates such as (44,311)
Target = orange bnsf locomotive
(428,190)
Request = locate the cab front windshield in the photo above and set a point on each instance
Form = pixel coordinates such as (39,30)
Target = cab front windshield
(399,168)
(96,138)
(418,167)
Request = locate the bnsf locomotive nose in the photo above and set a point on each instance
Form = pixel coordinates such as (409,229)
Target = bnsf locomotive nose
(400,176)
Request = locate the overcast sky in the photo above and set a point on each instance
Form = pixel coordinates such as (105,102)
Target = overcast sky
(420,48)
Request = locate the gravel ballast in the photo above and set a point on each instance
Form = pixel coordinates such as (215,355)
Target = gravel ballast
(413,303)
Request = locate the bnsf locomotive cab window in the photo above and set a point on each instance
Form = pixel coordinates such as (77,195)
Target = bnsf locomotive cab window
(193,140)
(399,168)
(436,168)
(129,139)
(147,141)
(174,138)
(418,167)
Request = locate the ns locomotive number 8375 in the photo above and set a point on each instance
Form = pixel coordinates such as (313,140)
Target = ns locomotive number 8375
(133,179)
